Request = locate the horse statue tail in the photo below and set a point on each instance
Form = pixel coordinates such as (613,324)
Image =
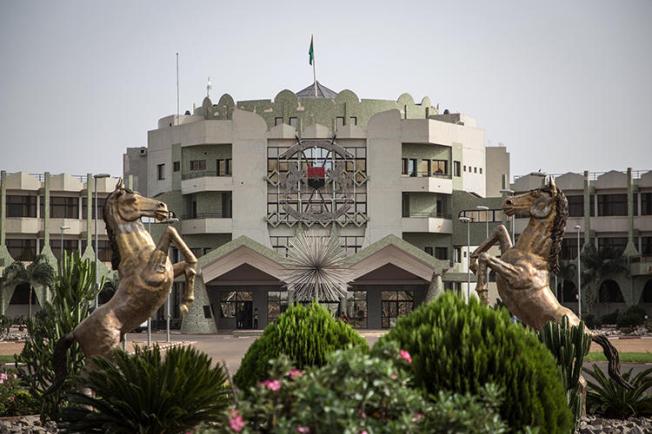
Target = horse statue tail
(60,362)
(613,358)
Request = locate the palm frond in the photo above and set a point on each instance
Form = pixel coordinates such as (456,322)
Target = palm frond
(316,268)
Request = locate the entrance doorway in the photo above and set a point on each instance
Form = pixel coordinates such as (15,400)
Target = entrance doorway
(244,312)
(393,305)
(237,306)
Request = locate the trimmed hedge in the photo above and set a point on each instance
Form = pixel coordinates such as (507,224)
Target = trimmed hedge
(460,347)
(305,334)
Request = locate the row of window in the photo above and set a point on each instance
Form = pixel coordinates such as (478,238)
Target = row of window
(569,245)
(424,167)
(609,205)
(294,121)
(350,244)
(438,252)
(24,249)
(60,207)
(473,169)
(223,167)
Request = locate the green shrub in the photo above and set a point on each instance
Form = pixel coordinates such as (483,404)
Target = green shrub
(5,324)
(72,294)
(610,399)
(306,334)
(568,344)
(15,400)
(357,392)
(148,394)
(460,347)
(610,318)
(634,316)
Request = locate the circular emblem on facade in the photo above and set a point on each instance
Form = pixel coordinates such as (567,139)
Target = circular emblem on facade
(317,181)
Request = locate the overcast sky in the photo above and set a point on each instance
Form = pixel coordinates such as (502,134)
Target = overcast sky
(565,85)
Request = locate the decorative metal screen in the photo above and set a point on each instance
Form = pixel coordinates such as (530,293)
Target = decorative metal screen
(317,182)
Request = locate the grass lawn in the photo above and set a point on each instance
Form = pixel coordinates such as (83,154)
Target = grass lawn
(6,358)
(624,357)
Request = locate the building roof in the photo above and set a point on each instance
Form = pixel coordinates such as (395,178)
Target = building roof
(322,92)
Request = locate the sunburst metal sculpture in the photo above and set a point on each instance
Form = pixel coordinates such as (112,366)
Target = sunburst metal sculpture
(316,269)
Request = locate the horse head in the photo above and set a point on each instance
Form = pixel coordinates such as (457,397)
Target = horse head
(538,203)
(124,205)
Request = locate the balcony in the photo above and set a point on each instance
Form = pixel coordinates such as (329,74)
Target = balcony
(427,223)
(207,223)
(427,184)
(641,266)
(23,225)
(196,182)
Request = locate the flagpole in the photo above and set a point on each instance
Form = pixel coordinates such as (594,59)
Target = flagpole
(314,62)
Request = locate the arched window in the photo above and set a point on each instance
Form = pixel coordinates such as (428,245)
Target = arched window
(646,296)
(21,295)
(610,293)
(567,292)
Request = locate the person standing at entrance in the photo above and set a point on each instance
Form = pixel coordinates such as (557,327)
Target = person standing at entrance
(255,318)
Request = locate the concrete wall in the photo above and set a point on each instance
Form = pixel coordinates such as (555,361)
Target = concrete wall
(498,170)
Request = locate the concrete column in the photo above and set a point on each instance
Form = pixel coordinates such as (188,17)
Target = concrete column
(46,209)
(90,186)
(195,321)
(630,249)
(587,208)
(130,182)
(3,207)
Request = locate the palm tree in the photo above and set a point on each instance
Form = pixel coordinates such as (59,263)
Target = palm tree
(598,264)
(39,272)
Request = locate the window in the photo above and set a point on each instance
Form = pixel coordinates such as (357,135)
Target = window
(360,311)
(428,250)
(226,204)
(100,206)
(465,167)
(503,178)
(612,204)
(353,120)
(393,305)
(457,252)
(610,293)
(475,170)
(405,205)
(224,167)
(439,167)
(457,169)
(404,166)
(575,206)
(104,249)
(339,121)
(441,253)
(160,172)
(569,248)
(22,250)
(412,167)
(481,171)
(21,206)
(424,168)
(68,246)
(197,164)
(63,207)
(646,203)
(277,303)
(646,246)
(294,122)
(278,121)
(616,244)
(176,166)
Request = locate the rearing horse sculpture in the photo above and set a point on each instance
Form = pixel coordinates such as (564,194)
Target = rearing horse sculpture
(145,273)
(523,271)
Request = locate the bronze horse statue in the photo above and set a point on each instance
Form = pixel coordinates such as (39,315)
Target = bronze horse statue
(523,270)
(145,274)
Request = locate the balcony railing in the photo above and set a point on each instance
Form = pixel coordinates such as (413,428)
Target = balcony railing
(201,173)
(427,175)
(440,215)
(207,215)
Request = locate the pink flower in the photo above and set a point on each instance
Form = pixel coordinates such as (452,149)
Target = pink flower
(405,356)
(236,422)
(303,430)
(3,377)
(295,373)
(364,431)
(273,385)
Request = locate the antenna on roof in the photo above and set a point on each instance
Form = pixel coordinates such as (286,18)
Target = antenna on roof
(177,118)
(208,88)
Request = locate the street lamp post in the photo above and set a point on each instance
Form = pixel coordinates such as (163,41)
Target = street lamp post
(467,220)
(507,191)
(62,228)
(578,228)
(97,243)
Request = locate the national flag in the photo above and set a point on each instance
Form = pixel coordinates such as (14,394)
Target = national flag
(311,52)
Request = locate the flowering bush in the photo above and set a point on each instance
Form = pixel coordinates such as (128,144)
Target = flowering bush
(14,399)
(358,393)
